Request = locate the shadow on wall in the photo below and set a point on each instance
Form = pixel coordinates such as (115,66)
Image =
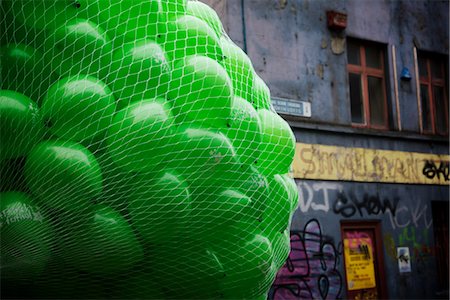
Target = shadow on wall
(311,270)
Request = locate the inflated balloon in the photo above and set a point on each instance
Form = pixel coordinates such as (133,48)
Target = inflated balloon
(126,21)
(105,244)
(24,70)
(26,237)
(201,92)
(160,206)
(196,271)
(80,47)
(260,94)
(205,13)
(141,156)
(239,67)
(199,152)
(277,152)
(79,108)
(63,175)
(244,130)
(189,35)
(139,71)
(21,125)
(141,135)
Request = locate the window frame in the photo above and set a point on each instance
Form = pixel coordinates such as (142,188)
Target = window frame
(432,82)
(364,72)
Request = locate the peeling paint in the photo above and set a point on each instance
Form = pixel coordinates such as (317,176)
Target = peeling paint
(320,71)
(324,43)
(337,45)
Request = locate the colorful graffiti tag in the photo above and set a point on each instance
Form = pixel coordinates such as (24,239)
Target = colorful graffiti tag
(311,271)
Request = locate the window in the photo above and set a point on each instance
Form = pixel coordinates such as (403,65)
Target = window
(433,94)
(366,76)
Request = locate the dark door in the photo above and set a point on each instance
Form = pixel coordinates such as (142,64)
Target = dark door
(440,210)
(363,260)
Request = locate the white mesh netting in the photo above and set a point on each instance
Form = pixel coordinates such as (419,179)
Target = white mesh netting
(140,156)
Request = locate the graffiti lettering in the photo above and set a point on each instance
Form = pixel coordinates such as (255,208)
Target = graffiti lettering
(430,170)
(311,271)
(406,216)
(372,205)
(316,196)
(417,240)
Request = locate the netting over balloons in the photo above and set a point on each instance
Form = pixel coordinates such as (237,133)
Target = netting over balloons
(140,156)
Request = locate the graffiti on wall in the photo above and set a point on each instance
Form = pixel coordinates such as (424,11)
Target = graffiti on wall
(331,198)
(431,170)
(416,239)
(314,161)
(311,270)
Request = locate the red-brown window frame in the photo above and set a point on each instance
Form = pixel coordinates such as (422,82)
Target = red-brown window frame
(364,71)
(431,82)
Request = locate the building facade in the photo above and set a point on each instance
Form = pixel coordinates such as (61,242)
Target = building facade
(364,86)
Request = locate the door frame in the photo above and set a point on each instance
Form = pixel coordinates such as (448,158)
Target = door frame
(380,274)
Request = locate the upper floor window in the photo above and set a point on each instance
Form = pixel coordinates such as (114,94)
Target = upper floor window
(367,80)
(433,94)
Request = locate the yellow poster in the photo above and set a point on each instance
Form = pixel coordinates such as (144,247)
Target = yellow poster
(314,161)
(359,263)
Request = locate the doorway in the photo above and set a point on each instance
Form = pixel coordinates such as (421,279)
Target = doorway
(440,212)
(363,260)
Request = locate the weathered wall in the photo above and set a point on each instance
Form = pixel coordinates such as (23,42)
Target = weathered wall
(406,220)
(301,59)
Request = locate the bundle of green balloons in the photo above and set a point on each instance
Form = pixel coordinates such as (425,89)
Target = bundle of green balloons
(140,155)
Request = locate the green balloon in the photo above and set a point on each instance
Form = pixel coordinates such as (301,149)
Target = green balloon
(201,91)
(104,245)
(213,208)
(247,263)
(277,213)
(278,144)
(139,71)
(187,272)
(239,67)
(79,108)
(11,175)
(141,135)
(21,125)
(188,35)
(23,70)
(63,175)
(247,180)
(116,182)
(139,285)
(124,21)
(260,94)
(26,237)
(244,130)
(204,12)
(199,153)
(159,206)
(281,245)
(79,47)
(292,191)
(42,14)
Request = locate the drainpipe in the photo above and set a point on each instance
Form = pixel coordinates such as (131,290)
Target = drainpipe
(244,29)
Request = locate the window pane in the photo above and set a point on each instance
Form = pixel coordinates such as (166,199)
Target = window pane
(373,57)
(356,99)
(426,112)
(436,69)
(440,109)
(423,71)
(377,101)
(353,53)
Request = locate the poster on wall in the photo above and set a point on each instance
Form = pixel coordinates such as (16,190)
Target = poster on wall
(359,263)
(404,259)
